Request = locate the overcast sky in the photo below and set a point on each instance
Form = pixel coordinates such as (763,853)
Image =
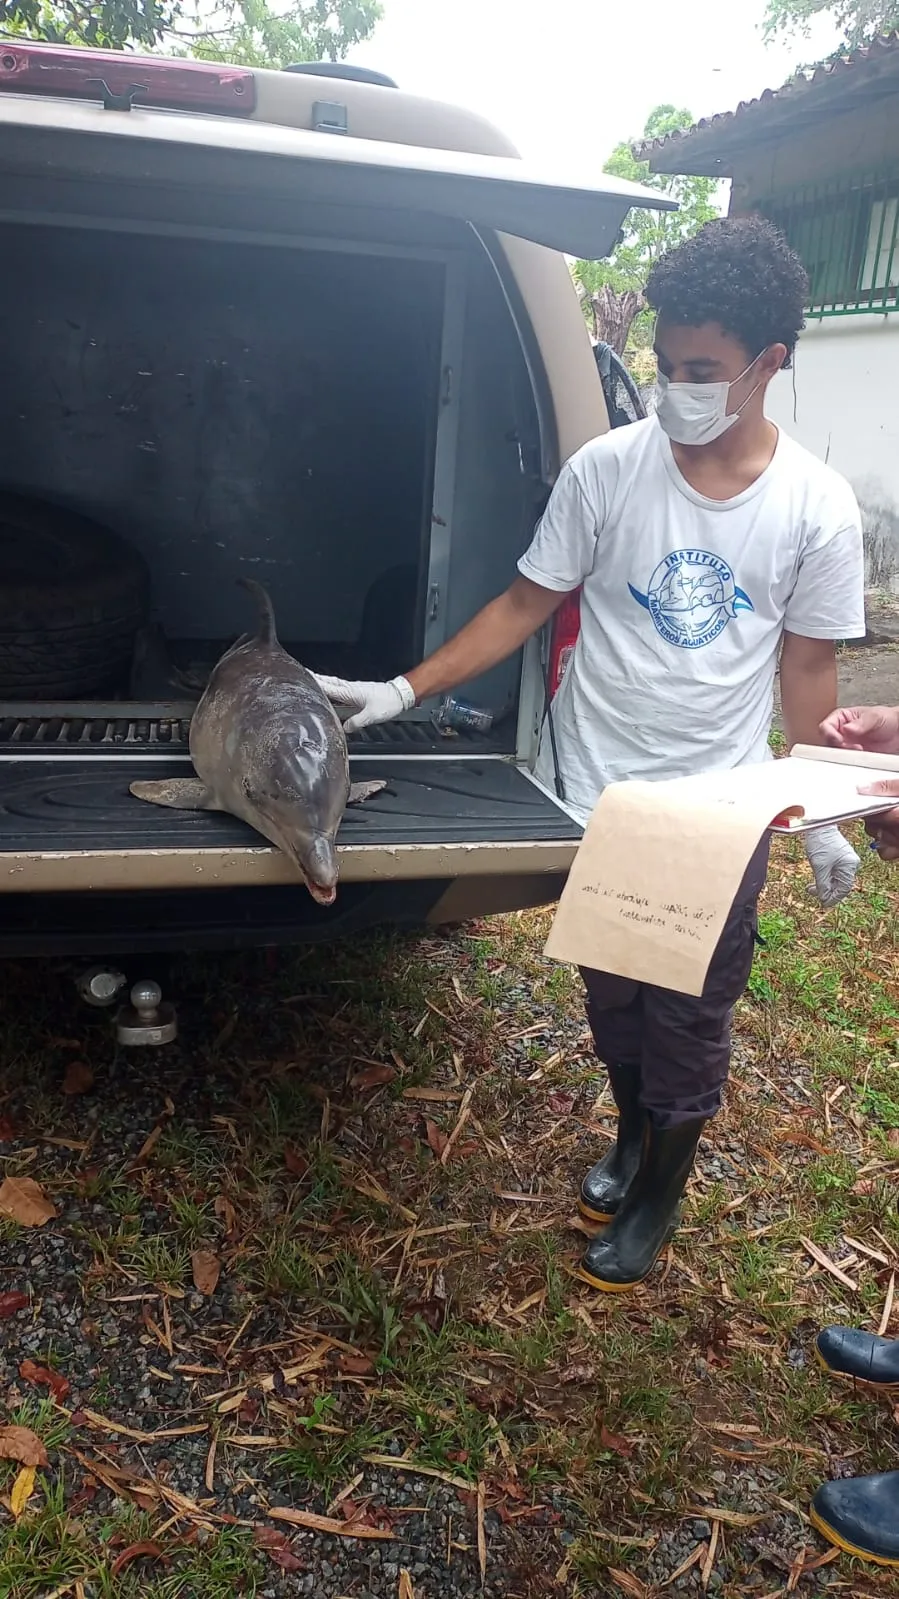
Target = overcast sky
(568,79)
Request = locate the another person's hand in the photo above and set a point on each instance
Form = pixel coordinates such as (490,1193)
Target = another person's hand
(874,728)
(369,703)
(833,861)
(884,829)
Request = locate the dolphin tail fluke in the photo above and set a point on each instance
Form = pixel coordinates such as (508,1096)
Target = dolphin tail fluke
(265,632)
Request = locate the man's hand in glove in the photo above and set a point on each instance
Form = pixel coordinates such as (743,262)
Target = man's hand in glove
(833,861)
(369,703)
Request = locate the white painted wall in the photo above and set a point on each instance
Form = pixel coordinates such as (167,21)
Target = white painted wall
(841,400)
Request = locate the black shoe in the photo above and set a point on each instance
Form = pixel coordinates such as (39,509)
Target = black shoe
(606,1183)
(861,1516)
(849,1353)
(627,1251)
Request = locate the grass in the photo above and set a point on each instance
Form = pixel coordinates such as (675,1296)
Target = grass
(456,1335)
(46,1551)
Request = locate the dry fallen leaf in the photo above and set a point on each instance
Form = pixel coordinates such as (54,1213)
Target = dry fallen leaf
(356,1365)
(278,1547)
(23,1445)
(695,1558)
(206,1269)
(432,1312)
(437,1139)
(373,1077)
(138,1551)
(728,1518)
(90,1418)
(79,1078)
(284,1557)
(226,1214)
(12,1302)
(43,1375)
(295,1161)
(406,1589)
(146,1148)
(826,1559)
(828,1264)
(628,1584)
(615,1443)
(434,1096)
(268,1537)
(580,1372)
(708,1565)
(24,1201)
(22,1489)
(340,1529)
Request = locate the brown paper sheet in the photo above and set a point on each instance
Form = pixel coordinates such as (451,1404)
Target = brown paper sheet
(660,863)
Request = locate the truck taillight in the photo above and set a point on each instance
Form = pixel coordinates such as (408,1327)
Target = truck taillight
(565,629)
(151,80)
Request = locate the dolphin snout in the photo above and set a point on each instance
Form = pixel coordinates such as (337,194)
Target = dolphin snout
(318,863)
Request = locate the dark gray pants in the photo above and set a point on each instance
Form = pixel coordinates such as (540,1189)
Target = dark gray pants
(680,1044)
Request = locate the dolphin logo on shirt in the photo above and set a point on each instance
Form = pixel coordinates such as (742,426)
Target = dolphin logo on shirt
(691,598)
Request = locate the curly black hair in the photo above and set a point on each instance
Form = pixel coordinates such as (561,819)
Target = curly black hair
(739,272)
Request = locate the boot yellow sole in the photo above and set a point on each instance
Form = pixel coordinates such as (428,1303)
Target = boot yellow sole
(858,1382)
(833,1537)
(609,1288)
(589,1214)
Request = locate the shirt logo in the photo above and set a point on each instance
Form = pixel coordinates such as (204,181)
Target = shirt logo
(691,598)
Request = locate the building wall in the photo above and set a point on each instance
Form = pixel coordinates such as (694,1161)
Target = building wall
(840,401)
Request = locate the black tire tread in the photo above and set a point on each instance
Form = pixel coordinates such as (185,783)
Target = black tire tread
(67,626)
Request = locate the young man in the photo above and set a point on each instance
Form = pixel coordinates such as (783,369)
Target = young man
(703,539)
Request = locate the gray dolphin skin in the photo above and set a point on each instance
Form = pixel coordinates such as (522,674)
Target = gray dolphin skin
(268,746)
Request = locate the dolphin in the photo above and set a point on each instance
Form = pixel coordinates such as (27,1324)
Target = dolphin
(268,746)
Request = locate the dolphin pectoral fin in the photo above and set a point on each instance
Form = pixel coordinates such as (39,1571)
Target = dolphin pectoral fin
(179,793)
(360,792)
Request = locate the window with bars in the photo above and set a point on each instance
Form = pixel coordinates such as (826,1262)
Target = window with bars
(847,235)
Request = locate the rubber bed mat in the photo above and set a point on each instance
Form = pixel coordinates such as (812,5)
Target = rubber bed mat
(75,804)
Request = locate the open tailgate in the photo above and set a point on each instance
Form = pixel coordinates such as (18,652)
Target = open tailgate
(70,824)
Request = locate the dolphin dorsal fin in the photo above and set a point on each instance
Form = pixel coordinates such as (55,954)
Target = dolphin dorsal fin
(265,630)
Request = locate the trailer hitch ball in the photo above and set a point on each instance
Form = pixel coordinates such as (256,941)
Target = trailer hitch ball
(147,1021)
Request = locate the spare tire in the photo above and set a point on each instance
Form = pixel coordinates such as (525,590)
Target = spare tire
(72,597)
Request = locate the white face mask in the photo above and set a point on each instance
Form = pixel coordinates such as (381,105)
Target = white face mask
(696,413)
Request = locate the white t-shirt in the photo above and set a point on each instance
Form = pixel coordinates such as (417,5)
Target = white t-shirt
(684,603)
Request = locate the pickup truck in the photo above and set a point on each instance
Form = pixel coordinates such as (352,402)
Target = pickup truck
(303,327)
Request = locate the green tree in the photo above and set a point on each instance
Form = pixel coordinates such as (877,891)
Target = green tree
(101,24)
(249,32)
(859,21)
(612,290)
(253,34)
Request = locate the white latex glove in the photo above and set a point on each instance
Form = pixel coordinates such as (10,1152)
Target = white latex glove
(833,861)
(370,703)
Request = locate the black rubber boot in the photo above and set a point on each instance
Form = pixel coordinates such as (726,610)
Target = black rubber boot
(861,1516)
(606,1183)
(850,1353)
(627,1251)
